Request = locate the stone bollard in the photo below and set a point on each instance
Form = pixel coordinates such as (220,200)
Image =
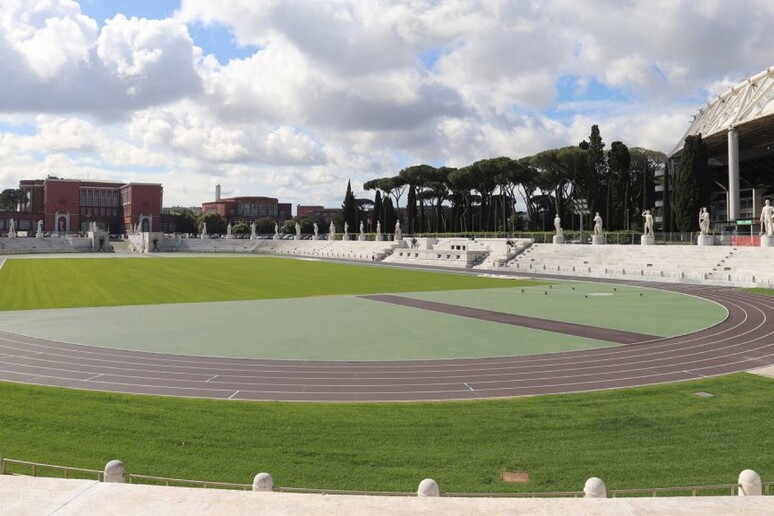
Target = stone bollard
(263,482)
(750,483)
(595,488)
(428,487)
(115,472)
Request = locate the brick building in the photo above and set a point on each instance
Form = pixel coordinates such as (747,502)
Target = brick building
(327,214)
(248,208)
(71,205)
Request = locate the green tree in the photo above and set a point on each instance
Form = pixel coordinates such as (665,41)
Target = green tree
(554,167)
(186,220)
(264,226)
(216,224)
(12,199)
(411,209)
(619,186)
(378,213)
(240,229)
(691,184)
(349,207)
(596,180)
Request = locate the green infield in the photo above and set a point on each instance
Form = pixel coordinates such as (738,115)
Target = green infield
(317,328)
(60,283)
(284,308)
(643,437)
(634,309)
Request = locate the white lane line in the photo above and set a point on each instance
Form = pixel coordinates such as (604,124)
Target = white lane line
(232,396)
(468,386)
(93,377)
(211,379)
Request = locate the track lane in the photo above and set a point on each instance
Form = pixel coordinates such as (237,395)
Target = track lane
(745,339)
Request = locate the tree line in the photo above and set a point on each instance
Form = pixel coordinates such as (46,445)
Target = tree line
(618,183)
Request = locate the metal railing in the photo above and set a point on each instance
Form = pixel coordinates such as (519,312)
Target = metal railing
(36,467)
(179,482)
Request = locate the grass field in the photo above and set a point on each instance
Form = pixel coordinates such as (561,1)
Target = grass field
(654,436)
(762,291)
(644,437)
(65,283)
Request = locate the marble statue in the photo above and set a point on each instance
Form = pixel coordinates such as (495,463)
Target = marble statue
(378,228)
(316,230)
(11,229)
(767,225)
(332,230)
(204,230)
(276,228)
(597,225)
(361,227)
(558,225)
(228,230)
(298,230)
(40,226)
(647,228)
(704,221)
(252,230)
(397,227)
(346,228)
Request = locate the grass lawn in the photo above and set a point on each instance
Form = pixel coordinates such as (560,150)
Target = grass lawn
(643,437)
(67,283)
(762,291)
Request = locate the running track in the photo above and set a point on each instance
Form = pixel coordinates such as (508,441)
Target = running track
(745,340)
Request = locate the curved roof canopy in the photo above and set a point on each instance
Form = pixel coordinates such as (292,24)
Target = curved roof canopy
(748,103)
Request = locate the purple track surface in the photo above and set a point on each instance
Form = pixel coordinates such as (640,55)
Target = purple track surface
(745,340)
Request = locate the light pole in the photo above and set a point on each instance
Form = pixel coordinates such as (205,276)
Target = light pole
(580,208)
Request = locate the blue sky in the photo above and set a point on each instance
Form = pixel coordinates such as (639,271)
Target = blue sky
(349,90)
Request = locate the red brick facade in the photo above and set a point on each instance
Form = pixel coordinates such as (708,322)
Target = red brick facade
(238,209)
(66,205)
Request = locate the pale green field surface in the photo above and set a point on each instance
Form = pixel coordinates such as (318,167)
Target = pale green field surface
(656,312)
(322,328)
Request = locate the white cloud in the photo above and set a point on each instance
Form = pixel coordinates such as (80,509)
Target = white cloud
(55,59)
(347,89)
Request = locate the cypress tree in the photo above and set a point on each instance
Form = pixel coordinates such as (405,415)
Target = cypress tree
(691,188)
(596,171)
(619,162)
(378,213)
(390,217)
(349,208)
(411,208)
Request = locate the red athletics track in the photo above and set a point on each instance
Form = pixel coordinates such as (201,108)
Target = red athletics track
(745,340)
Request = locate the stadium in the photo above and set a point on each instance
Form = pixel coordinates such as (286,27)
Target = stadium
(468,371)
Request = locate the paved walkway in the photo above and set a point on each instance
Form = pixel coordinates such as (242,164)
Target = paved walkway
(21,496)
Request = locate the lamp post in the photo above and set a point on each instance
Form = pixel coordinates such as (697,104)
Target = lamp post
(580,208)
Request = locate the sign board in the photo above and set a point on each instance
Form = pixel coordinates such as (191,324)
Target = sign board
(744,222)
